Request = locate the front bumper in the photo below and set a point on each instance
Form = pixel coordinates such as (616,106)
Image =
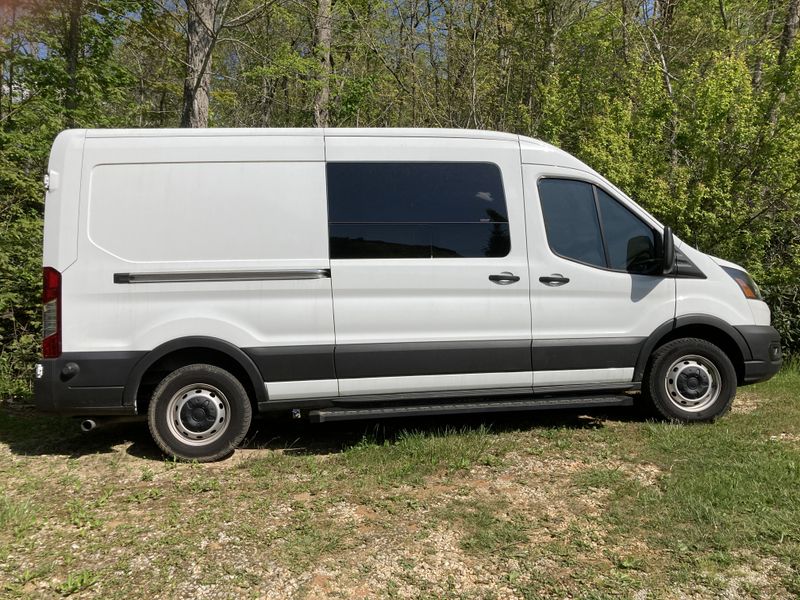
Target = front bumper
(84,383)
(766,355)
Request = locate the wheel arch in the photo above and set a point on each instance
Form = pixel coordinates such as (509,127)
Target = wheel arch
(187,350)
(707,327)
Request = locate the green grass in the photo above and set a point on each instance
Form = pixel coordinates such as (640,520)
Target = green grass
(541,506)
(76,582)
(489,526)
(16,516)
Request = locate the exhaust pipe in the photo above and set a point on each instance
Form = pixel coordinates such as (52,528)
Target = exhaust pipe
(88,425)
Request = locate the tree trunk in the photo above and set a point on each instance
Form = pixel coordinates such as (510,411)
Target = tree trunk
(550,39)
(789,30)
(322,35)
(199,46)
(787,40)
(758,70)
(72,51)
(626,22)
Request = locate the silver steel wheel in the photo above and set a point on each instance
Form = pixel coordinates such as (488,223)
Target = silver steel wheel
(198,414)
(693,383)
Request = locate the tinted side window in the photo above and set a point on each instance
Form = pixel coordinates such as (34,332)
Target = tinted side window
(416,210)
(570,219)
(631,244)
(415,193)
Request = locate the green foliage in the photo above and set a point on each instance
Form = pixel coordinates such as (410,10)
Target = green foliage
(692,111)
(784,300)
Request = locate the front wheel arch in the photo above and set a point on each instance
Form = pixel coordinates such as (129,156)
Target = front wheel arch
(703,327)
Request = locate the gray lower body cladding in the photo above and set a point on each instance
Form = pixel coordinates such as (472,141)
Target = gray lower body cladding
(766,356)
(94,383)
(85,383)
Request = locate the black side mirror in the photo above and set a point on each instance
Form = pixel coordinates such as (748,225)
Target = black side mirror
(667,251)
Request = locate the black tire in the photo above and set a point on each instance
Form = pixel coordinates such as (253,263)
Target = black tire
(690,380)
(199,412)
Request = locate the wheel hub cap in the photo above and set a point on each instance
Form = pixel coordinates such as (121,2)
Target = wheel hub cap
(692,383)
(198,414)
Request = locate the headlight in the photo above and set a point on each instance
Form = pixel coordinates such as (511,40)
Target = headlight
(745,282)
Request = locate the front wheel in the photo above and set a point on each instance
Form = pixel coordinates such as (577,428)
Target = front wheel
(199,412)
(690,380)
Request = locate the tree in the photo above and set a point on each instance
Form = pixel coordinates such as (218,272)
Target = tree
(201,37)
(205,21)
(322,35)
(691,107)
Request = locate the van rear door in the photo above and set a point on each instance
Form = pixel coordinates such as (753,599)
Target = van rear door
(428,264)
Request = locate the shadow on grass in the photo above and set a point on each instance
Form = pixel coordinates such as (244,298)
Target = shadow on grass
(302,437)
(28,433)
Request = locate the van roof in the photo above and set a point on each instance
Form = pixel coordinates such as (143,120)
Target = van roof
(309,131)
(532,150)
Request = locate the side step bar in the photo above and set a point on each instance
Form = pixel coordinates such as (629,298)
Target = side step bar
(325,415)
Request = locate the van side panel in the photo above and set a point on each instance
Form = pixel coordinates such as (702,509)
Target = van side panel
(216,237)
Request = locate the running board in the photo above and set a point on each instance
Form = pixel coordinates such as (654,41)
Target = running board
(325,415)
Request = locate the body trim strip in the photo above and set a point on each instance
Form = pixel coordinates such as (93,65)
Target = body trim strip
(439,397)
(585,353)
(578,376)
(195,276)
(358,361)
(289,390)
(293,363)
(410,359)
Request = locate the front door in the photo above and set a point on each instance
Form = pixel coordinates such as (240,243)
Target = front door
(428,265)
(596,289)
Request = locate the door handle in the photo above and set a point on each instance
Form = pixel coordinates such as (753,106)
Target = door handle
(504,278)
(554,280)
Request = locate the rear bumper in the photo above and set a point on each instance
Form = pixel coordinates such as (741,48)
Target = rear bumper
(766,355)
(88,384)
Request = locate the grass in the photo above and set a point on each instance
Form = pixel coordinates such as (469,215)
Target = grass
(16,517)
(505,506)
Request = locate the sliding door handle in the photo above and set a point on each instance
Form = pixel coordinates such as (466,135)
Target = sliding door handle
(554,280)
(504,278)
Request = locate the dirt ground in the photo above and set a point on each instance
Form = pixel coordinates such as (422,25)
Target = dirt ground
(554,505)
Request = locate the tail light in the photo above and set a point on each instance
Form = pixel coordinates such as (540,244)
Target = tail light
(51,316)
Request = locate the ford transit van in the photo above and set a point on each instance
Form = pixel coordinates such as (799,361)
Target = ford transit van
(200,276)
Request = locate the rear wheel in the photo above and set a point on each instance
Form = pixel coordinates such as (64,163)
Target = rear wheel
(690,380)
(199,412)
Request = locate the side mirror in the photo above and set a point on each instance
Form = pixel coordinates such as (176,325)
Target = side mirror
(667,251)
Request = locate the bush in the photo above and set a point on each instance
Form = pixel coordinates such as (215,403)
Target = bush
(784,301)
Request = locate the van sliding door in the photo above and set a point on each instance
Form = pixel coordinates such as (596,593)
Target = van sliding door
(428,265)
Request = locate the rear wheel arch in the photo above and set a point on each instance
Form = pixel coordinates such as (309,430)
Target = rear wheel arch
(705,327)
(172,355)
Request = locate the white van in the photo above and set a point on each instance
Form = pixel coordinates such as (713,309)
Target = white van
(198,276)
